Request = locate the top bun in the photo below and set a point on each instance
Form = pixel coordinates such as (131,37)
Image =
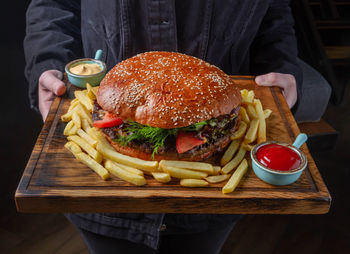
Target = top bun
(167,90)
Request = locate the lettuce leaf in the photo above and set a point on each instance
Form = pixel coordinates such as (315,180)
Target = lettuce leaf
(153,135)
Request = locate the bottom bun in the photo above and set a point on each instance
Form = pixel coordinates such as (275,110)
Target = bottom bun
(200,156)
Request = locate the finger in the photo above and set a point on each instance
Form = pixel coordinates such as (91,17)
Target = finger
(46,98)
(285,81)
(44,108)
(290,94)
(271,79)
(51,80)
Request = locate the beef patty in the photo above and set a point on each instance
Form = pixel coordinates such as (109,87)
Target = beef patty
(217,133)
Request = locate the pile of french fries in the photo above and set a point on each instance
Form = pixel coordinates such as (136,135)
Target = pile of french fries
(251,131)
(90,147)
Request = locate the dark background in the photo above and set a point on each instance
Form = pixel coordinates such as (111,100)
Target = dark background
(19,124)
(270,234)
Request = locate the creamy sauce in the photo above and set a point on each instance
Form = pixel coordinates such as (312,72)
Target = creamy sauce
(85,69)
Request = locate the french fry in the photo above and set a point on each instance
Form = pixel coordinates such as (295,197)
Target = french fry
(73,104)
(68,127)
(90,92)
(127,176)
(251,112)
(95,89)
(250,96)
(86,147)
(247,146)
(161,177)
(197,166)
(247,96)
(240,132)
(84,99)
(193,183)
(67,116)
(87,138)
(216,169)
(83,113)
(261,135)
(130,169)
(88,86)
(73,148)
(244,93)
(96,134)
(250,136)
(73,130)
(91,96)
(236,177)
(230,151)
(113,155)
(93,133)
(183,173)
(73,101)
(91,163)
(267,113)
(234,162)
(85,125)
(76,119)
(217,179)
(244,115)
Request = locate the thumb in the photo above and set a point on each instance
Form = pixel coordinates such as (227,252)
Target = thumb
(51,80)
(270,79)
(262,80)
(60,88)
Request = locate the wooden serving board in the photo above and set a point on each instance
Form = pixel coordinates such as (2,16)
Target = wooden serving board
(54,181)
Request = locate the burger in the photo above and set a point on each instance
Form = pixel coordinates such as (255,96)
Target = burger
(166,105)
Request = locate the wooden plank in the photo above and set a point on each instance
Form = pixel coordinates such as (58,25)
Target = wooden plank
(320,127)
(54,181)
(338,52)
(321,136)
(332,24)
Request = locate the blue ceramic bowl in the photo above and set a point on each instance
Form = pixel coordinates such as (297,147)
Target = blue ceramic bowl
(81,80)
(273,176)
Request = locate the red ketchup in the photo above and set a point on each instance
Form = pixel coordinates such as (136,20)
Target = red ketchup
(278,157)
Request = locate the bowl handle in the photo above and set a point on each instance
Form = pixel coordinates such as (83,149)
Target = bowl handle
(300,140)
(98,55)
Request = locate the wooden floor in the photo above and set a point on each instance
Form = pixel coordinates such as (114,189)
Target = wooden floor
(33,234)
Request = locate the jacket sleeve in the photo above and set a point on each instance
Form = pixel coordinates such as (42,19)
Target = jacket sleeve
(52,39)
(275,47)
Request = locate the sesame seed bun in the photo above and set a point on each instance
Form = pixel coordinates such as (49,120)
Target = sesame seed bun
(167,90)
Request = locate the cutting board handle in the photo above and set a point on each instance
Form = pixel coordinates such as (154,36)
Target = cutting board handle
(244,82)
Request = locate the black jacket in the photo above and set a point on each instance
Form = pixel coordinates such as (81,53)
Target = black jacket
(240,37)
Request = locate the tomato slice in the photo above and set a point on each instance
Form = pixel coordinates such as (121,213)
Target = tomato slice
(185,141)
(109,120)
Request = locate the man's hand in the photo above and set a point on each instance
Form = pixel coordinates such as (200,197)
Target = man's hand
(50,85)
(285,81)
